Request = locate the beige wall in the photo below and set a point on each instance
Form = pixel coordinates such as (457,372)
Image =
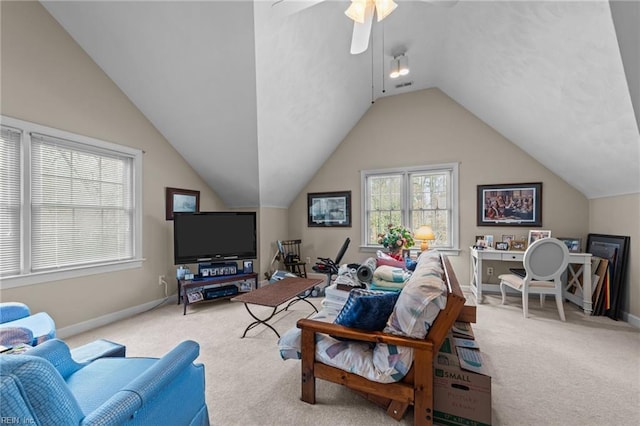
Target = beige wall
(273,227)
(621,216)
(428,127)
(48,79)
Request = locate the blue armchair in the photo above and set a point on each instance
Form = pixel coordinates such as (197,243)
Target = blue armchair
(46,386)
(17,325)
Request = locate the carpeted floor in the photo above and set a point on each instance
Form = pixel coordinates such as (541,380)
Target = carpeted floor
(545,372)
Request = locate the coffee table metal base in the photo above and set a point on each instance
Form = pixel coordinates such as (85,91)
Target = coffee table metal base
(291,290)
(275,312)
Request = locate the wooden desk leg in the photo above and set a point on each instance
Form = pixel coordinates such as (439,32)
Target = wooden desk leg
(308,349)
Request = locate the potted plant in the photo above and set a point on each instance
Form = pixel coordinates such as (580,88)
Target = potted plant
(395,239)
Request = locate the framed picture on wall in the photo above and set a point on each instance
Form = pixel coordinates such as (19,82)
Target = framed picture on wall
(326,209)
(181,201)
(511,204)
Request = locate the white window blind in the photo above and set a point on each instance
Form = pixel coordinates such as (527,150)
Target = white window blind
(10,183)
(82,209)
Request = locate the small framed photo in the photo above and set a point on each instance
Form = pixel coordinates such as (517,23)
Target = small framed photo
(181,201)
(502,245)
(489,240)
(508,238)
(518,245)
(573,244)
(329,209)
(538,235)
(247,266)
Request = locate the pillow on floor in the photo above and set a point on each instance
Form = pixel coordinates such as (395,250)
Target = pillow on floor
(367,309)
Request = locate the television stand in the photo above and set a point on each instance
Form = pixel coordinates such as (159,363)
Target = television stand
(215,288)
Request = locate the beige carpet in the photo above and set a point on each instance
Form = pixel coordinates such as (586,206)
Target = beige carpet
(545,372)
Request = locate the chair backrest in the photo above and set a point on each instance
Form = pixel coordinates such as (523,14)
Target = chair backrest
(31,388)
(290,250)
(342,251)
(546,259)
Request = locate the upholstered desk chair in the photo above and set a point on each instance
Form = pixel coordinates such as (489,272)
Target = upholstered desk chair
(544,262)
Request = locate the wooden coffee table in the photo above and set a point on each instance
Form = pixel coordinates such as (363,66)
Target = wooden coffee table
(273,295)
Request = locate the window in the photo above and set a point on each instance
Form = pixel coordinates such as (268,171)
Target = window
(412,197)
(69,205)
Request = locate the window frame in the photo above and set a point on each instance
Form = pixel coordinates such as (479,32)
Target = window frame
(27,277)
(406,172)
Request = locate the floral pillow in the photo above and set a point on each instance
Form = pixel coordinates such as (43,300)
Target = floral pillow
(421,299)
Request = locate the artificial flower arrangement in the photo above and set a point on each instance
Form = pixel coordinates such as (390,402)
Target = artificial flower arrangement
(396,238)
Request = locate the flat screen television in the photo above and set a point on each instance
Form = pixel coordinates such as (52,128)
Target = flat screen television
(214,236)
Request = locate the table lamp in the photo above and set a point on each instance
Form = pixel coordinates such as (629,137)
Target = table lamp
(424,233)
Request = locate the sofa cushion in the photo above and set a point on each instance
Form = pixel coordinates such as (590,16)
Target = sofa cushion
(421,299)
(98,381)
(367,309)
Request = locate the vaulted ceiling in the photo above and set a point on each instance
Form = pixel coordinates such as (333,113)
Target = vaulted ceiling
(256,99)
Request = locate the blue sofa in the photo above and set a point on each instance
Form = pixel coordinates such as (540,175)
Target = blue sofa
(45,386)
(17,325)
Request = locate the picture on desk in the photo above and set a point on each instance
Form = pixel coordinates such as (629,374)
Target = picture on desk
(538,235)
(518,245)
(502,245)
(508,238)
(573,244)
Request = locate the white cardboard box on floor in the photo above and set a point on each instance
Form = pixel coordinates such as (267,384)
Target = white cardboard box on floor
(460,397)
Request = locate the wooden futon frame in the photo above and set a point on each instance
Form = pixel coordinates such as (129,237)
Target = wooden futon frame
(417,386)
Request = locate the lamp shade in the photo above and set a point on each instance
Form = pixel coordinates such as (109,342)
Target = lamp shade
(424,233)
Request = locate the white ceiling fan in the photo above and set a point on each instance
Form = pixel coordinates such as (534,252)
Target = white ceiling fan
(360,11)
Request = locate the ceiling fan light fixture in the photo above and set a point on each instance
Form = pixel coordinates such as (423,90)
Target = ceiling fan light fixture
(384,8)
(399,66)
(356,10)
(394,69)
(403,65)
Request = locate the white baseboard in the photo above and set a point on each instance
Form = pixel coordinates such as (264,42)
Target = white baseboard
(81,327)
(631,319)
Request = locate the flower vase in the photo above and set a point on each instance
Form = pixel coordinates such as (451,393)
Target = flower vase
(396,253)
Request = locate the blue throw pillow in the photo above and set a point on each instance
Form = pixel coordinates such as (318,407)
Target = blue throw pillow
(367,309)
(410,265)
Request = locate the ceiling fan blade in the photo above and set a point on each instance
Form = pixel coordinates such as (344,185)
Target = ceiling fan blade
(283,8)
(443,3)
(361,32)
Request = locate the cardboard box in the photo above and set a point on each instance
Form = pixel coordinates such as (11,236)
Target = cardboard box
(460,397)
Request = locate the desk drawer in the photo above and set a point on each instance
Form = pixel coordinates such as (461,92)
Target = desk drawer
(512,257)
(491,255)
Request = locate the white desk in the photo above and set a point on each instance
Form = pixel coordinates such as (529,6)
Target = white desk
(579,266)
